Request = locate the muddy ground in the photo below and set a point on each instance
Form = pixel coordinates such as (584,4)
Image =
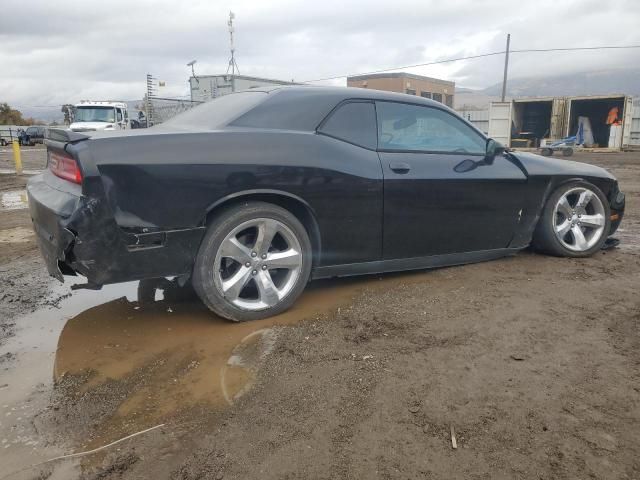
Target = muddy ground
(532,361)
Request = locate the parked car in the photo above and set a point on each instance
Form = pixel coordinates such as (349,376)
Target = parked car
(35,135)
(251,195)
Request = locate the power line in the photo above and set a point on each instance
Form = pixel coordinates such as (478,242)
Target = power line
(573,49)
(408,66)
(449,60)
(55,105)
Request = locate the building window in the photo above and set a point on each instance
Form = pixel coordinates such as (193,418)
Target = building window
(437,97)
(425,94)
(448,100)
(409,91)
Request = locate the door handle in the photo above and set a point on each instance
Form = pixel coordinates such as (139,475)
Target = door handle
(400,167)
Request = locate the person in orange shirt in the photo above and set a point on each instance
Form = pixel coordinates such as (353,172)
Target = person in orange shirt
(612,118)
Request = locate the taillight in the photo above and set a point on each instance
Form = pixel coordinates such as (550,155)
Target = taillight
(65,166)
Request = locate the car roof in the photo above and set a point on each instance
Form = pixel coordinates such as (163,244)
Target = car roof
(350,92)
(302,108)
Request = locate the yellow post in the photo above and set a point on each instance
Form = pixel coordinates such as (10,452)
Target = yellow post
(16,157)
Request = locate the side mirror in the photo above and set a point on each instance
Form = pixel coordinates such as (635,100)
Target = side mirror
(493,149)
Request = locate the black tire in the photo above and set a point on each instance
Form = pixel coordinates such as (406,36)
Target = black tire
(544,237)
(567,152)
(547,152)
(224,223)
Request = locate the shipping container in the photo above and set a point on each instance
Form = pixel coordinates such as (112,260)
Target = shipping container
(525,122)
(500,122)
(634,131)
(597,108)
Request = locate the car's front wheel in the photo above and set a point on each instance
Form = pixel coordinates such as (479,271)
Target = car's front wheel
(575,221)
(254,262)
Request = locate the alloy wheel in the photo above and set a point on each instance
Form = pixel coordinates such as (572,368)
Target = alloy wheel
(579,219)
(258,264)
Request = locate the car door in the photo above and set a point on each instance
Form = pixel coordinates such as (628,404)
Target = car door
(434,203)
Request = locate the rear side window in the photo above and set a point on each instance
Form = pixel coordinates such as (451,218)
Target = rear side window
(353,122)
(217,112)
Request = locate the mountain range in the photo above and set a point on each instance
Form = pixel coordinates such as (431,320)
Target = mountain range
(602,82)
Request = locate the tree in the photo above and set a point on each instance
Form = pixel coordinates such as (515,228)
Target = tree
(10,116)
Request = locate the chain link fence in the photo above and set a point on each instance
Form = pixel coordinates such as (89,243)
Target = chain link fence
(160,110)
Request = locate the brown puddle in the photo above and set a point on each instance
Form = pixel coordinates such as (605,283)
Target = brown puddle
(169,356)
(145,361)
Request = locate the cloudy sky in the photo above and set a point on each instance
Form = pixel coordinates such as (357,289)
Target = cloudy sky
(63,51)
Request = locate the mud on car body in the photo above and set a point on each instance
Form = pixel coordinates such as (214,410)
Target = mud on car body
(251,195)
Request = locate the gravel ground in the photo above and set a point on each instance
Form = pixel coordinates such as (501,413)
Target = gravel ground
(33,158)
(531,361)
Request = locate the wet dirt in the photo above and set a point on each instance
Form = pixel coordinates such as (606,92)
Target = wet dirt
(144,363)
(532,359)
(33,159)
(16,235)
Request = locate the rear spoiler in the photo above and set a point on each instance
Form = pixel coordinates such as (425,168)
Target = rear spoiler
(58,139)
(64,136)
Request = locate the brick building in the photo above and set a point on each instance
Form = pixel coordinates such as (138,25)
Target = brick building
(434,88)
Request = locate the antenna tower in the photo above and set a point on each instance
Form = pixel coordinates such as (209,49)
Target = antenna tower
(233,66)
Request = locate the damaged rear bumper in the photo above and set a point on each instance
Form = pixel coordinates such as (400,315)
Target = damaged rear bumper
(78,234)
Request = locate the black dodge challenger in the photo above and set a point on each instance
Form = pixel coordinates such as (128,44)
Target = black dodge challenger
(251,195)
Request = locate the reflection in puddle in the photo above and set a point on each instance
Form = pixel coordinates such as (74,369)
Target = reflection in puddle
(14,200)
(243,364)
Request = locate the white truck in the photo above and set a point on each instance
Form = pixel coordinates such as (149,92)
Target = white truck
(92,116)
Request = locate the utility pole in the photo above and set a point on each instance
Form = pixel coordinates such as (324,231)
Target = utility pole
(506,67)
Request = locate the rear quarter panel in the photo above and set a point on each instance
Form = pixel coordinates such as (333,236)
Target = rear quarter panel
(171,180)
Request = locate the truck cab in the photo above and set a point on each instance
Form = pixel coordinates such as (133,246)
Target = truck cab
(100,116)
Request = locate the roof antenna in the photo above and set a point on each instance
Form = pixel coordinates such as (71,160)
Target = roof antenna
(233,66)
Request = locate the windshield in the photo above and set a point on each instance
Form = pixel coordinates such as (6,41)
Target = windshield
(217,112)
(94,114)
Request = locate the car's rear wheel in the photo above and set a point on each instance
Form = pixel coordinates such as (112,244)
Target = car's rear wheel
(547,152)
(575,221)
(254,262)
